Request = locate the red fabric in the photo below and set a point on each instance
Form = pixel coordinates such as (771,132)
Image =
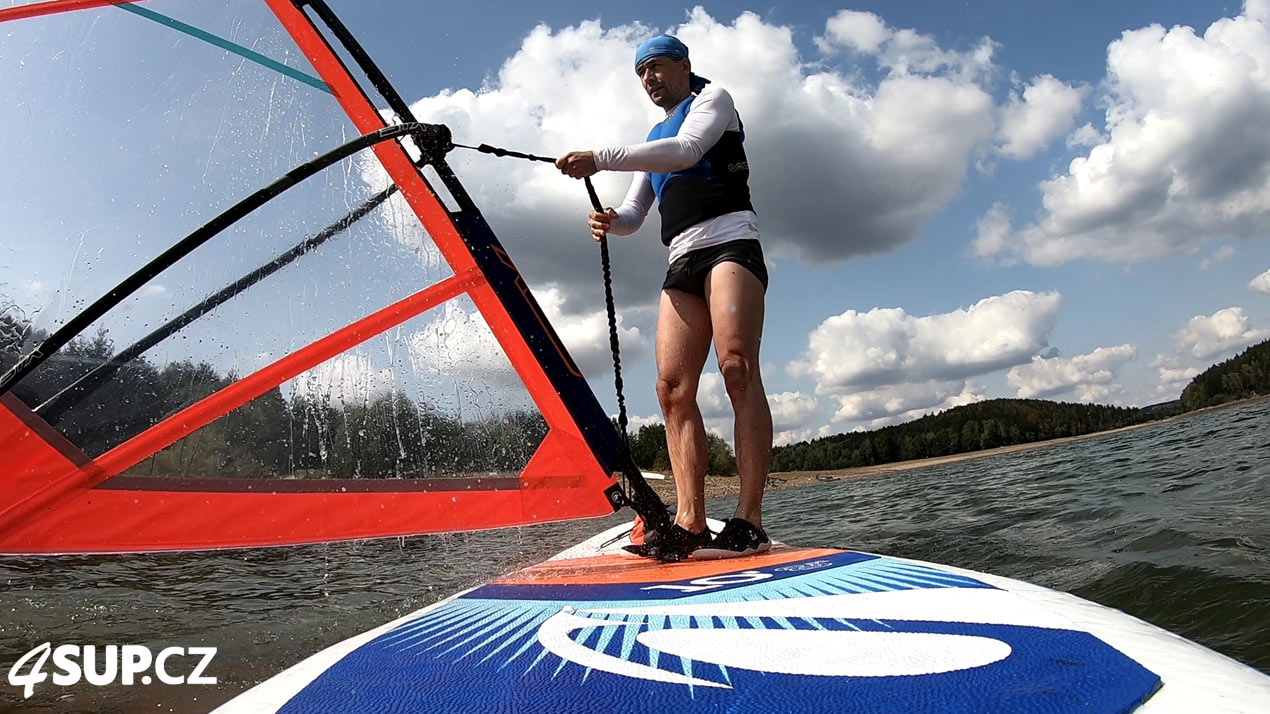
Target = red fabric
(52,7)
(46,506)
(54,499)
(637,531)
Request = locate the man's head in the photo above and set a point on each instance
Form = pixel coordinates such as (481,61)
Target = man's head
(664,70)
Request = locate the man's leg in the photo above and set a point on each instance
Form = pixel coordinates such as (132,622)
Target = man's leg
(735,298)
(683,342)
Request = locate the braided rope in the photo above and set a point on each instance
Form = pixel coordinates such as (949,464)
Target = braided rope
(608,279)
(612,315)
(614,346)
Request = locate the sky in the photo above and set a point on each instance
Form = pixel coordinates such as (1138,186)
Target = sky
(958,201)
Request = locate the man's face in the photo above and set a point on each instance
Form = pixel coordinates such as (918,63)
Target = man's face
(665,80)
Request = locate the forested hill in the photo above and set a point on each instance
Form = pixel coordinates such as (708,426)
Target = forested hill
(983,425)
(1240,377)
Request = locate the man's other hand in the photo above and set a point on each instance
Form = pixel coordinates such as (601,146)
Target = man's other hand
(577,164)
(601,223)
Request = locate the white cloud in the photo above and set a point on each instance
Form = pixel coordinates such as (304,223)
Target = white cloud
(792,416)
(458,345)
(456,362)
(1084,137)
(892,152)
(586,335)
(1259,9)
(791,410)
(876,408)
(793,436)
(1221,255)
(712,397)
(1223,331)
(144,293)
(635,422)
(1089,376)
(1261,283)
(902,51)
(887,346)
(1174,376)
(345,380)
(34,292)
(1185,160)
(400,222)
(994,230)
(1102,393)
(715,406)
(854,30)
(1046,110)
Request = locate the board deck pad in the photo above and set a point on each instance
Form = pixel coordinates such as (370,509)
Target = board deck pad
(790,630)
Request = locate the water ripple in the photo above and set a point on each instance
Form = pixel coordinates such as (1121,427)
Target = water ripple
(1167,523)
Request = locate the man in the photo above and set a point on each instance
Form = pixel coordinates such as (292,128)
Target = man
(694,164)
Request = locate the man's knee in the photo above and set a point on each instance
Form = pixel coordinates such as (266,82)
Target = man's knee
(674,392)
(738,373)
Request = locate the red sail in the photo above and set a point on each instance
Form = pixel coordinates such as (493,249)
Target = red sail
(376,419)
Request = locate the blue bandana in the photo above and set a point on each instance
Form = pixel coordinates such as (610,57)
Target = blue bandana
(667,46)
(660,46)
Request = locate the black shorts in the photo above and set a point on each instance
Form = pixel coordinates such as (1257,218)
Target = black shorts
(689,272)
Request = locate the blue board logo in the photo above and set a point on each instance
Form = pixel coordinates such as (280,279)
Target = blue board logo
(847,633)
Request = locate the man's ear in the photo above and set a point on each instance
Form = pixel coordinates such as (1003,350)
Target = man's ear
(687,64)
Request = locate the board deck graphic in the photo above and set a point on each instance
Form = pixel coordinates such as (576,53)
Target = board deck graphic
(794,630)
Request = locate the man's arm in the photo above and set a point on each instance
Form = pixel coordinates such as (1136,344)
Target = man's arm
(635,207)
(711,114)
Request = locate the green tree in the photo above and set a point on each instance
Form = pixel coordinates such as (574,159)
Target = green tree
(1240,377)
(721,460)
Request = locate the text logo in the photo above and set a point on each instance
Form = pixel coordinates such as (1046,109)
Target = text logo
(714,581)
(127,663)
(802,567)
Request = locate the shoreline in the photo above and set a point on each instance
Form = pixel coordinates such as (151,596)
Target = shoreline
(729,486)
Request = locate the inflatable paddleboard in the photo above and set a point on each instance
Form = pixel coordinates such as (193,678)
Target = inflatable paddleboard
(595,629)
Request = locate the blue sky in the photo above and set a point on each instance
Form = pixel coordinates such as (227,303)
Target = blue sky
(958,201)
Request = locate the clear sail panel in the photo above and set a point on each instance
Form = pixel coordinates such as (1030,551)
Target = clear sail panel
(347,360)
(162,131)
(433,398)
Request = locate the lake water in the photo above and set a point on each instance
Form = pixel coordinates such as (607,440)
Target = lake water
(1170,522)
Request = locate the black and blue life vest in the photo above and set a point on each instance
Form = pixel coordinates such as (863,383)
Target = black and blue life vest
(715,185)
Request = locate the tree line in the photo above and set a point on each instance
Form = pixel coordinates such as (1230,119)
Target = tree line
(303,435)
(648,448)
(973,427)
(395,436)
(1240,377)
(1005,422)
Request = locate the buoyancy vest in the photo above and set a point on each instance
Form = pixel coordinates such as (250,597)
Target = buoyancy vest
(715,185)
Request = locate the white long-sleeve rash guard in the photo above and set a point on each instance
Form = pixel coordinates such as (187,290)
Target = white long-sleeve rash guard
(711,114)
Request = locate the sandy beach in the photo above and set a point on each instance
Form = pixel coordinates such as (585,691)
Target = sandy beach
(726,486)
